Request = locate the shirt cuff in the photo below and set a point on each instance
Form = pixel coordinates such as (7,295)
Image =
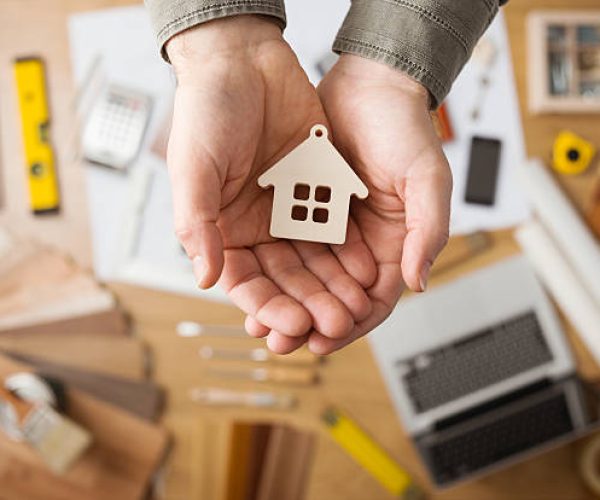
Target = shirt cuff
(170,17)
(430,40)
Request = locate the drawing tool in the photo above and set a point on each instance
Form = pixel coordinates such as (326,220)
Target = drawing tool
(35,125)
(212,396)
(485,55)
(259,355)
(190,329)
(361,447)
(291,376)
(58,440)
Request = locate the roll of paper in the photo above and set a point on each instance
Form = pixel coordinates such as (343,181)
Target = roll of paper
(562,282)
(564,224)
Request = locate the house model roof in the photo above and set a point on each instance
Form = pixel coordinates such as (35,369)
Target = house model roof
(315,161)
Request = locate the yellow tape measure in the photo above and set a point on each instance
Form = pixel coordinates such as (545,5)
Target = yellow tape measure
(35,122)
(371,456)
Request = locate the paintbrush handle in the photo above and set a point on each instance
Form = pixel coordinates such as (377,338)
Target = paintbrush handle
(22,408)
(292,376)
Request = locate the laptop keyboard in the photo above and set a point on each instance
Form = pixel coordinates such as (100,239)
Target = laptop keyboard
(475,362)
(455,456)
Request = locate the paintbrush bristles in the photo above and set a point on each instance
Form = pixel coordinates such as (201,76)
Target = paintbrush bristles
(57,439)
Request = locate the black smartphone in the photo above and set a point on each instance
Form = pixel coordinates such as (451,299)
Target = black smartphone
(484,164)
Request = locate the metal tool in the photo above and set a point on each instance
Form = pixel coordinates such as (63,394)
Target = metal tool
(212,396)
(190,329)
(259,355)
(289,376)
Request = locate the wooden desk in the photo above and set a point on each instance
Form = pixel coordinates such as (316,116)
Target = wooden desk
(350,377)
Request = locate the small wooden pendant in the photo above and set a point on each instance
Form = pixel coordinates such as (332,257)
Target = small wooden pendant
(313,185)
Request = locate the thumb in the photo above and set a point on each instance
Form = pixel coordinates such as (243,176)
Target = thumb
(196,190)
(427,204)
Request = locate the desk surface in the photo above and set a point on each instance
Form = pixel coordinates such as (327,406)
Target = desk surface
(200,434)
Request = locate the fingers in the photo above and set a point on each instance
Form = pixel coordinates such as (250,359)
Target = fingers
(355,257)
(319,260)
(282,344)
(196,191)
(255,329)
(277,342)
(427,202)
(384,295)
(282,264)
(259,297)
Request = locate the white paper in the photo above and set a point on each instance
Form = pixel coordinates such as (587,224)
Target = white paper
(500,119)
(565,225)
(124,39)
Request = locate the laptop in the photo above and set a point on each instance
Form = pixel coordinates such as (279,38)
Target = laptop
(480,372)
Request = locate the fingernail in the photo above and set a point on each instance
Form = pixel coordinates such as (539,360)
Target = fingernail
(424,276)
(199,268)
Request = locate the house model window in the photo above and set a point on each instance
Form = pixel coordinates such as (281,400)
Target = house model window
(313,185)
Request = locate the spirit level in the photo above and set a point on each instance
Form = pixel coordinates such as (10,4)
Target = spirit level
(35,123)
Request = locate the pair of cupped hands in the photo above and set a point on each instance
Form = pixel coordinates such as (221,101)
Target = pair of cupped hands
(242,103)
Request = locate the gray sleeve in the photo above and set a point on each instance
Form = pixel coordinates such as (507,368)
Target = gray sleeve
(430,40)
(170,17)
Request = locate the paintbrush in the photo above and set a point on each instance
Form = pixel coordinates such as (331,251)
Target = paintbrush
(58,440)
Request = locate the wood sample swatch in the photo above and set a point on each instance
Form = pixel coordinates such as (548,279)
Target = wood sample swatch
(248,448)
(268,462)
(287,465)
(40,285)
(141,398)
(125,454)
(118,356)
(113,322)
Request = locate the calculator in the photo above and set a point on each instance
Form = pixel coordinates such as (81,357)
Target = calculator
(116,126)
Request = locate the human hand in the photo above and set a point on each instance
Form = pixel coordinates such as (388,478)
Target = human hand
(381,124)
(243,102)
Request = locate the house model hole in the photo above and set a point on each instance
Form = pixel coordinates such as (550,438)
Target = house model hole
(320,215)
(301,192)
(323,194)
(299,213)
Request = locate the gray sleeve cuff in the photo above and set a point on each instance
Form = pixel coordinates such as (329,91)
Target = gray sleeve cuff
(170,17)
(430,40)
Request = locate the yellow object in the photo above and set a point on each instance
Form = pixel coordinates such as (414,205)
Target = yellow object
(371,456)
(35,120)
(572,154)
(588,465)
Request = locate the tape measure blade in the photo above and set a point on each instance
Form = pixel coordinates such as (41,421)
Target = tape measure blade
(368,453)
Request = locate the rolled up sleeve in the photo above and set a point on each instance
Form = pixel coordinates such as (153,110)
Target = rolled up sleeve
(170,17)
(430,40)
